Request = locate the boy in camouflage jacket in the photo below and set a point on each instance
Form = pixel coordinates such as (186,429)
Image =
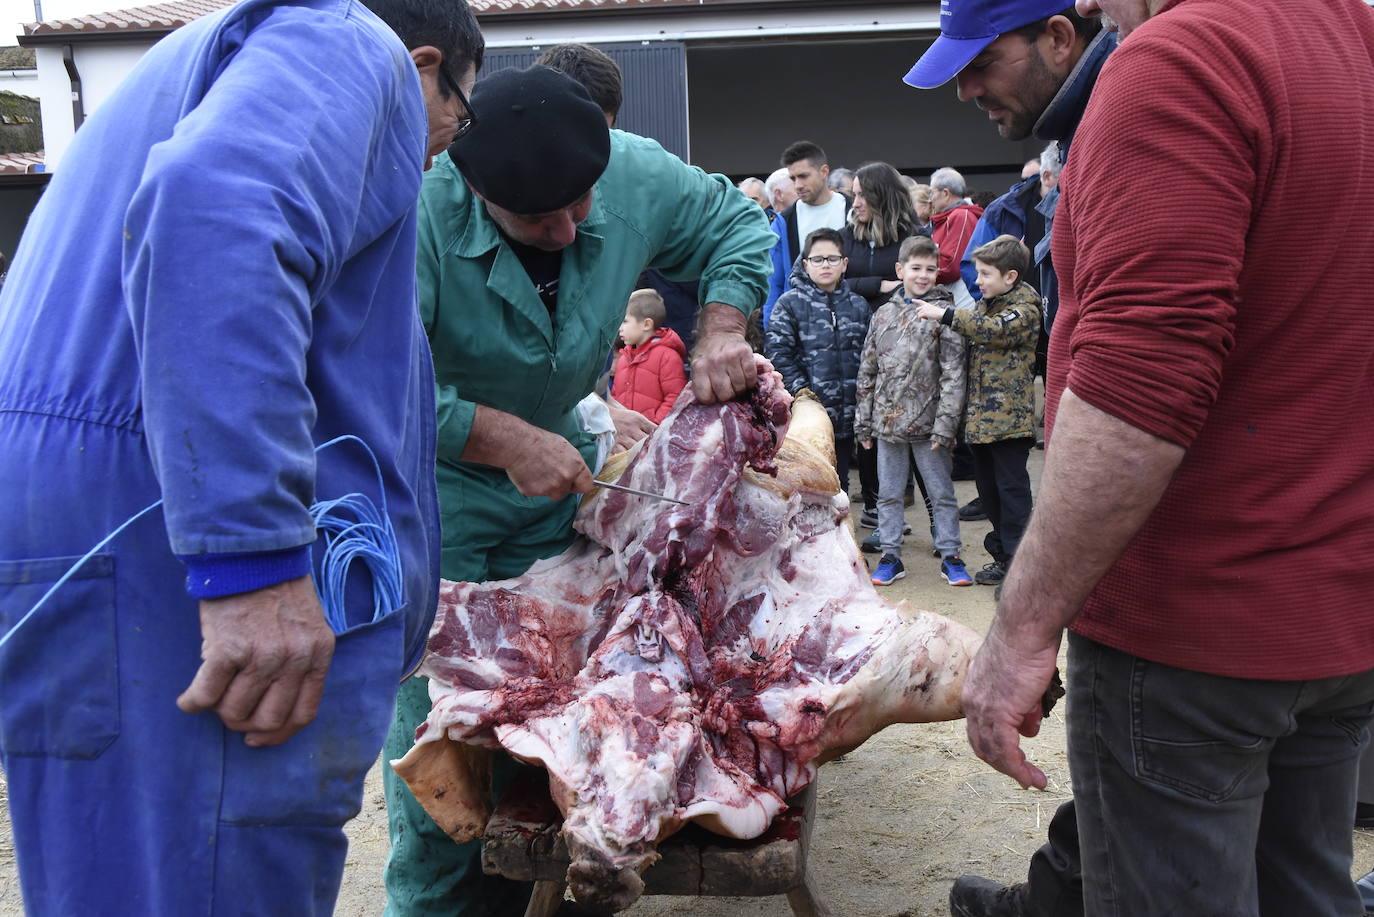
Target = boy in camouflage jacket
(910,399)
(999,423)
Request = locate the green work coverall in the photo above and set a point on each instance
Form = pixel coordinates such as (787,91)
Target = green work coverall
(496,344)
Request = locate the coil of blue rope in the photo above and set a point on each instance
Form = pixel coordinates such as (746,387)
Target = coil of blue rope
(354,529)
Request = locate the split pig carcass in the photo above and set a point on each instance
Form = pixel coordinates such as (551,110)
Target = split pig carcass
(681,663)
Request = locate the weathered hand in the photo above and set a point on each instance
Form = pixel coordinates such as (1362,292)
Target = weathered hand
(1002,693)
(630,426)
(548,466)
(722,367)
(265,657)
(723,363)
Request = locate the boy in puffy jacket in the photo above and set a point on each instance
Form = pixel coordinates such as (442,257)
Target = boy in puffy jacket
(910,400)
(650,370)
(999,420)
(816,334)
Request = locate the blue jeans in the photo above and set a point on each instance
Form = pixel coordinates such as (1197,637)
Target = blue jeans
(1208,796)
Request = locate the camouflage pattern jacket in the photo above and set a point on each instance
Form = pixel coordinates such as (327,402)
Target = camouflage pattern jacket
(815,339)
(912,375)
(1001,332)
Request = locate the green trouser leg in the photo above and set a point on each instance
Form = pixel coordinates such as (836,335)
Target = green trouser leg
(494,536)
(426,872)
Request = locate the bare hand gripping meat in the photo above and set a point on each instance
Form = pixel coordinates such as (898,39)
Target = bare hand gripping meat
(681,663)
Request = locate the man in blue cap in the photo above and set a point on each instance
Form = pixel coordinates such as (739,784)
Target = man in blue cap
(1031,65)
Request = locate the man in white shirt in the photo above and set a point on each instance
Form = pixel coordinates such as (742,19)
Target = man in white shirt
(817,206)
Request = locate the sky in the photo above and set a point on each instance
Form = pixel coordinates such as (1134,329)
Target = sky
(13,13)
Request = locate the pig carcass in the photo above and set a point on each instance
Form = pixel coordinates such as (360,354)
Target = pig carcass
(681,663)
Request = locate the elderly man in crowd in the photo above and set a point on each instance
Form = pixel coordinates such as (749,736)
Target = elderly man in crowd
(1214,732)
(952,221)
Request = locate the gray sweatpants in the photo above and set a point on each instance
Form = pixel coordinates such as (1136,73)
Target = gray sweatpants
(934,466)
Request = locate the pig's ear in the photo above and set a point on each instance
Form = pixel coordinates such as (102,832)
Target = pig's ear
(452,780)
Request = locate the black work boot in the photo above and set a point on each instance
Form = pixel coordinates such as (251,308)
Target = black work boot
(974,896)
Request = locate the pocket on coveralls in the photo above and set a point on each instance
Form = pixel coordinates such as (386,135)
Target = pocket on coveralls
(316,776)
(59,689)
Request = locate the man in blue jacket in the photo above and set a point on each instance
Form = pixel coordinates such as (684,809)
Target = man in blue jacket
(182,730)
(1031,65)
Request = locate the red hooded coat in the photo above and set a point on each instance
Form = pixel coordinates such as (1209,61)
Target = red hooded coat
(649,377)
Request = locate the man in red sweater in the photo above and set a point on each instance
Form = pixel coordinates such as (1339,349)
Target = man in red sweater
(1212,566)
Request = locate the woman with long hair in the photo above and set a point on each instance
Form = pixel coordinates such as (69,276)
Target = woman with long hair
(879,219)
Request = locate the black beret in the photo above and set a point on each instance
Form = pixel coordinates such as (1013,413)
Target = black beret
(539,143)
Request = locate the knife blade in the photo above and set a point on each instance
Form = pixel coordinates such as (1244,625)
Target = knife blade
(639,493)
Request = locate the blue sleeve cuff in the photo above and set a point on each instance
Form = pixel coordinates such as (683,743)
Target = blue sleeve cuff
(213,576)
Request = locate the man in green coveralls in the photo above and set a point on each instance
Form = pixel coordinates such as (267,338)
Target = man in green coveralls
(533,230)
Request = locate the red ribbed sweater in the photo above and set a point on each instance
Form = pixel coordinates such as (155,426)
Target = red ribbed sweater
(1215,246)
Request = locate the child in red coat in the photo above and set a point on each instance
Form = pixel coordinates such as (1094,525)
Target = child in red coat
(650,370)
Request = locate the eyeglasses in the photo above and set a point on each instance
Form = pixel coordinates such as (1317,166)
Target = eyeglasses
(464,124)
(818,260)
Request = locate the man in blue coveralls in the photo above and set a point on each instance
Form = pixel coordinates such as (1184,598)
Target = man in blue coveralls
(534,230)
(219,278)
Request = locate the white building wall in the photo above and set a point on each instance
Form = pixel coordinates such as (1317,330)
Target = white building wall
(22,82)
(101,65)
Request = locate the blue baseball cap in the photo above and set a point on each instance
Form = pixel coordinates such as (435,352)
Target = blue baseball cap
(969,26)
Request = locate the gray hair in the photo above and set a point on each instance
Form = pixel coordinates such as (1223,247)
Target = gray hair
(749,182)
(1049,160)
(948,180)
(841,180)
(776,181)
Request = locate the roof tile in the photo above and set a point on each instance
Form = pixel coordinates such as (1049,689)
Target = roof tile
(169,16)
(21,163)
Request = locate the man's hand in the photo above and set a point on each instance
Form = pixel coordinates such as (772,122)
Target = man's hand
(1002,692)
(539,463)
(722,361)
(548,466)
(866,443)
(630,426)
(265,656)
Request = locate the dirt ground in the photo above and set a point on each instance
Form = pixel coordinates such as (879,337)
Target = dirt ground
(898,819)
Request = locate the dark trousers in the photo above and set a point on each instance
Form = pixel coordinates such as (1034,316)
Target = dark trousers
(999,472)
(844,453)
(1055,877)
(1199,794)
(868,476)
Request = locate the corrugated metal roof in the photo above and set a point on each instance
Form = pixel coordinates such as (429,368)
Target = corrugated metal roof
(21,163)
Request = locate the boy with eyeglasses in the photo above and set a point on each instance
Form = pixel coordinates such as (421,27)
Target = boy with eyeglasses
(816,336)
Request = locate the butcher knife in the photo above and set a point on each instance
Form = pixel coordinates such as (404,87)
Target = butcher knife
(639,493)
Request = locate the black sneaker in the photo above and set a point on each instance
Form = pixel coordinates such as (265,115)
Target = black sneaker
(974,896)
(871,545)
(869,518)
(972,511)
(991,575)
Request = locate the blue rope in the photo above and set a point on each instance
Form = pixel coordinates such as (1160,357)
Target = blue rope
(353,528)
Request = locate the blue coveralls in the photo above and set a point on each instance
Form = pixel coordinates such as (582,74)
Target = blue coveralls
(219,277)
